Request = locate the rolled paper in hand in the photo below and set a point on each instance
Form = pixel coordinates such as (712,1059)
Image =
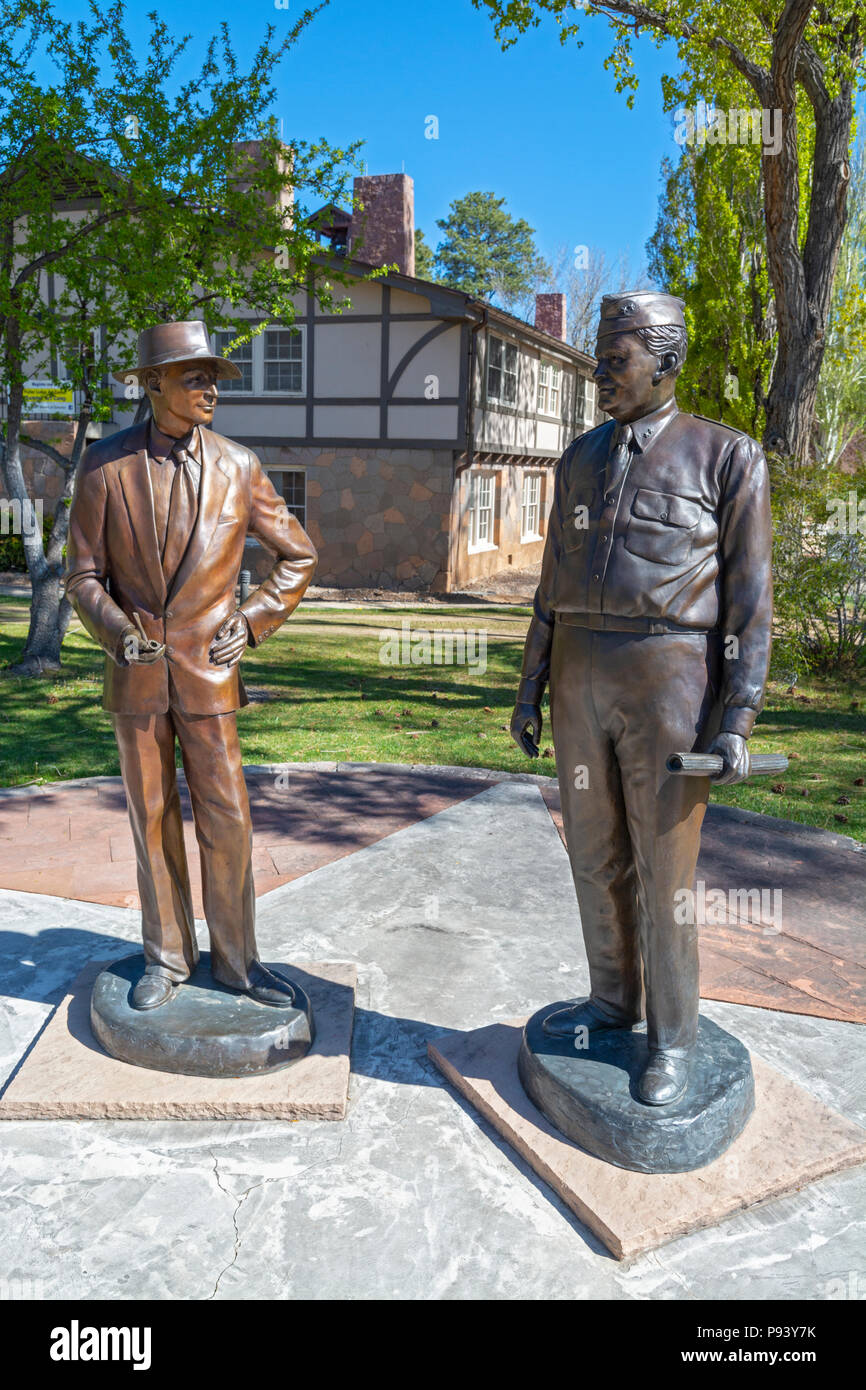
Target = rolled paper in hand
(148,643)
(711,765)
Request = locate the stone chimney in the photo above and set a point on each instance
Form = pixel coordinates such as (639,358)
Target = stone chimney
(386,222)
(550,315)
(248,166)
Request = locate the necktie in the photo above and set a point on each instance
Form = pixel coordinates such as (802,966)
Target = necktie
(181,514)
(618,459)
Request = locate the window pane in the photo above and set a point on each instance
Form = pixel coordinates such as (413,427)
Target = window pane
(292,487)
(509,379)
(284,353)
(242,357)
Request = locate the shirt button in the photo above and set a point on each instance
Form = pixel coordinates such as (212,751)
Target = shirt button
(169,651)
(596,577)
(169,613)
(608,501)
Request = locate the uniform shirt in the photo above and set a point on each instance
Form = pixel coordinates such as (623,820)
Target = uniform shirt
(684,538)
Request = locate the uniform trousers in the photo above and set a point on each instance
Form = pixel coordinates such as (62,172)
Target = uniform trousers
(621,703)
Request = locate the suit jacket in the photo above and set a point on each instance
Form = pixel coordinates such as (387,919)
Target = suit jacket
(683,538)
(113,569)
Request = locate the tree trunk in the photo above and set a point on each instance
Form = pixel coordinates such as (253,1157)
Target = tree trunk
(50,611)
(790,416)
(802,280)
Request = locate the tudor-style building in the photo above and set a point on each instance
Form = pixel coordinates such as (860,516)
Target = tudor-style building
(415,433)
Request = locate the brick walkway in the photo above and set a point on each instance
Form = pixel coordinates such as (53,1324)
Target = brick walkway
(72,840)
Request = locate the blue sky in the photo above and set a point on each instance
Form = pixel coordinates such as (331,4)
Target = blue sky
(541,124)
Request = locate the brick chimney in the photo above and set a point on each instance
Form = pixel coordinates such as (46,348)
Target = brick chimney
(386,222)
(550,315)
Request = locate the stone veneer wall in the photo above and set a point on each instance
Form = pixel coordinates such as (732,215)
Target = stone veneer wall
(42,476)
(378,517)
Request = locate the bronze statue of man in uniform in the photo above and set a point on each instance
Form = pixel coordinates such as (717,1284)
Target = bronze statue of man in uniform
(156,535)
(652,626)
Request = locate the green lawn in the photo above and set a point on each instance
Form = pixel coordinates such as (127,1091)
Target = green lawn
(331,697)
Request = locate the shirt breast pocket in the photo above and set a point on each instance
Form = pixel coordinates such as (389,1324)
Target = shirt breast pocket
(661,526)
(575,526)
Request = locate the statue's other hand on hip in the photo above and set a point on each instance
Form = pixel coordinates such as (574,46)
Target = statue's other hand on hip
(230,641)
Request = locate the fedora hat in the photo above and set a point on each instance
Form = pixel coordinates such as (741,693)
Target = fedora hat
(186,341)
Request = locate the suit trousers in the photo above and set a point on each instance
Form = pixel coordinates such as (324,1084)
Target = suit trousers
(211,756)
(621,703)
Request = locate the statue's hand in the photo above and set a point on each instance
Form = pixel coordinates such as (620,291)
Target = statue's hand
(137,651)
(526,728)
(735,751)
(230,640)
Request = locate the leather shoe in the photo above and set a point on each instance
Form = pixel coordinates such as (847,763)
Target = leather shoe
(582,1014)
(151,991)
(664,1080)
(267,988)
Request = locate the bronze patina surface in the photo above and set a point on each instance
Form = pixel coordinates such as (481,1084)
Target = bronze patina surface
(157,528)
(651,627)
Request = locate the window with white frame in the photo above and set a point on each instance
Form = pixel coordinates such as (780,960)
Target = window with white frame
(272,362)
(549,388)
(283,360)
(481,527)
(291,484)
(584,408)
(242,357)
(502,371)
(530,508)
(580,384)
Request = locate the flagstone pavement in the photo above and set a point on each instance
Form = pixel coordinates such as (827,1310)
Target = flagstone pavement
(450,890)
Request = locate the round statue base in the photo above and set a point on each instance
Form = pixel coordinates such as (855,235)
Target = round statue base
(204,1029)
(590,1095)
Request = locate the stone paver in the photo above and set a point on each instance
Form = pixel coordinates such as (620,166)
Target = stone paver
(461,920)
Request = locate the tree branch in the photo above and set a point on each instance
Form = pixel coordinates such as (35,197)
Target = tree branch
(651,19)
(62,460)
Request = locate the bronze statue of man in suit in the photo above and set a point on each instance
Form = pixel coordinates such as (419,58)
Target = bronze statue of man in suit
(156,535)
(652,625)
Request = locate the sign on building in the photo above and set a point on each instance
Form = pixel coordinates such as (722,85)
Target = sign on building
(48,398)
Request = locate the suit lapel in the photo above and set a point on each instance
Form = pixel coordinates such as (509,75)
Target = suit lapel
(135,482)
(214,485)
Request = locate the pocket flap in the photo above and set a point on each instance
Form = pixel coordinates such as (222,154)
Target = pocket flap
(665,506)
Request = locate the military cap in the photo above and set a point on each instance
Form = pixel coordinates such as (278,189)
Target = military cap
(623,313)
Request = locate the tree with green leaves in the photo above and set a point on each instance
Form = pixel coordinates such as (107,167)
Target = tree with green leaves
(486,252)
(842,387)
(425,267)
(789,57)
(708,248)
(133,190)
